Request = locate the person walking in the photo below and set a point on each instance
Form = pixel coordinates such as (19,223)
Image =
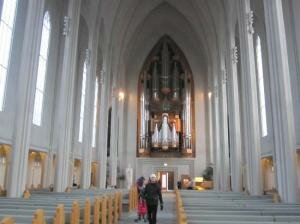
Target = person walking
(152,196)
(142,208)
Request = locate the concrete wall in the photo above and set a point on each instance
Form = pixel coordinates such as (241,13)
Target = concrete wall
(257,7)
(295,44)
(146,166)
(8,114)
(41,135)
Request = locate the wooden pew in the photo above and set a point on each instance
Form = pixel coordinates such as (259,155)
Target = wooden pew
(68,203)
(38,217)
(75,213)
(7,220)
(228,207)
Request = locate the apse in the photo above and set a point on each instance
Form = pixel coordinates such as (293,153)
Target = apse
(166,99)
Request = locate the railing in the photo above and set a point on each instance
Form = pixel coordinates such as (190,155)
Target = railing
(181,215)
(103,210)
(8,220)
(133,198)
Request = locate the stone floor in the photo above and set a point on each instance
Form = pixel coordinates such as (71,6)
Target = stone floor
(167,216)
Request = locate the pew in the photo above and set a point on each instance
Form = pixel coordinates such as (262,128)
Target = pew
(213,207)
(61,208)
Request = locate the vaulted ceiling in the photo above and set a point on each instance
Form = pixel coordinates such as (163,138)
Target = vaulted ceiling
(135,26)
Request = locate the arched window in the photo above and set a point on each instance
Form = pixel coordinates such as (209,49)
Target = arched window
(95,113)
(42,70)
(261,88)
(8,14)
(83,87)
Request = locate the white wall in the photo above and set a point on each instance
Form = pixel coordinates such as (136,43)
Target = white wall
(41,135)
(291,19)
(82,46)
(296,89)
(180,166)
(259,28)
(298,169)
(8,114)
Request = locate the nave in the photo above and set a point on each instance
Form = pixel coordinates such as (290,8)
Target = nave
(98,93)
(166,216)
(108,206)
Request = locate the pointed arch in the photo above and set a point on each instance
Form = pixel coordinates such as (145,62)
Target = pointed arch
(166,95)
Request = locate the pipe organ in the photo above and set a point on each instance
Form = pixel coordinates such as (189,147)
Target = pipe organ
(165,103)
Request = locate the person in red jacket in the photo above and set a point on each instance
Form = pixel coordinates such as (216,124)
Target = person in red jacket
(142,207)
(152,196)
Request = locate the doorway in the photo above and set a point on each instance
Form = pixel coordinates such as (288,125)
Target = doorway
(166,179)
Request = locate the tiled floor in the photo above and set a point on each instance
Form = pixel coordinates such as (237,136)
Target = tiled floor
(167,216)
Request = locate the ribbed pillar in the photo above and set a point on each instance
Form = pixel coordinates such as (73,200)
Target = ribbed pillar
(25,98)
(66,98)
(224,149)
(114,139)
(250,100)
(101,145)
(234,121)
(216,139)
(282,107)
(88,119)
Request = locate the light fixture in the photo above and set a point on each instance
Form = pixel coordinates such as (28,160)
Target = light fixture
(198,179)
(121,96)
(209,95)
(165,164)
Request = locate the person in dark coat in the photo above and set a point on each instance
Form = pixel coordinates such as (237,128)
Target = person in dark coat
(152,196)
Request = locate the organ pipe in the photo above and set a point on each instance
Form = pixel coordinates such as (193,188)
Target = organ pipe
(155,83)
(165,88)
(175,82)
(143,115)
(187,115)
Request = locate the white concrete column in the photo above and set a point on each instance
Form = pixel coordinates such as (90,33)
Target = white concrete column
(45,177)
(25,97)
(210,124)
(101,143)
(216,139)
(282,102)
(48,172)
(89,110)
(66,97)
(224,149)
(234,120)
(250,101)
(114,139)
(121,150)
(88,118)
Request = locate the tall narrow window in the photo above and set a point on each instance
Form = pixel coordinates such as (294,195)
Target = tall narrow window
(8,13)
(42,70)
(261,88)
(81,116)
(95,113)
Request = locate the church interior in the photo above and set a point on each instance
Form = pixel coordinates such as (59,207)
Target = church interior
(203,93)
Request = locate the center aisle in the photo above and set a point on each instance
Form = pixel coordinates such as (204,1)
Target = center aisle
(167,216)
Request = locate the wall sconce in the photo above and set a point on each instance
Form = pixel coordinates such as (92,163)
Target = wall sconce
(165,164)
(3,160)
(121,96)
(209,95)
